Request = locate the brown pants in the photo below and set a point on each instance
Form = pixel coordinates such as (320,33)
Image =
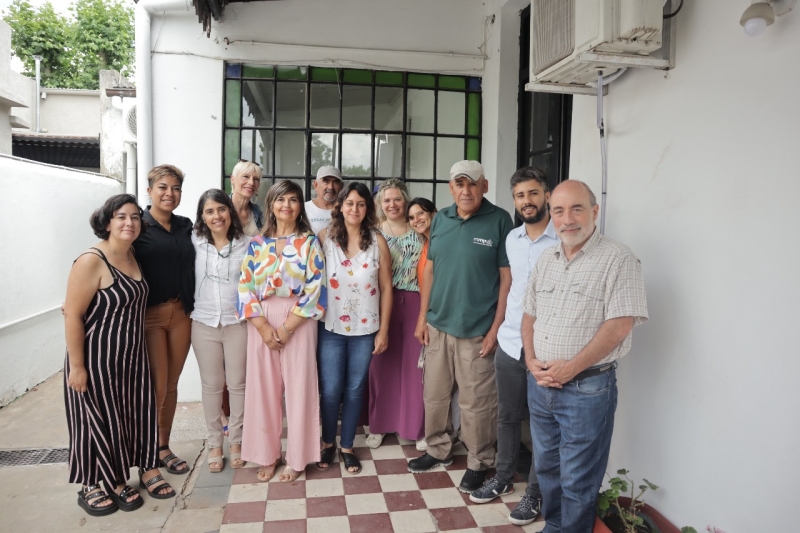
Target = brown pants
(450,363)
(168,333)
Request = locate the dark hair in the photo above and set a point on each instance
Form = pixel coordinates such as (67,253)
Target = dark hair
(282,188)
(530,173)
(423,203)
(156,173)
(369,225)
(102,217)
(201,229)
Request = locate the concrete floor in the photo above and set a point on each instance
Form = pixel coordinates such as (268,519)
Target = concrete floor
(38,498)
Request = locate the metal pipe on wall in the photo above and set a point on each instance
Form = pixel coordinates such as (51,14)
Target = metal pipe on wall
(38,60)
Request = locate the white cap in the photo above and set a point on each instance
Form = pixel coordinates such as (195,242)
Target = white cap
(470,169)
(329,171)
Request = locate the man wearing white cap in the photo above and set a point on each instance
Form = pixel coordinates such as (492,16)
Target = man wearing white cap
(328,185)
(463,302)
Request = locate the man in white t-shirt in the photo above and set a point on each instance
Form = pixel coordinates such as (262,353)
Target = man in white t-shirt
(327,185)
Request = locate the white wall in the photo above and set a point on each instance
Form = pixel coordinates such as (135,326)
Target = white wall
(44,213)
(70,112)
(703,185)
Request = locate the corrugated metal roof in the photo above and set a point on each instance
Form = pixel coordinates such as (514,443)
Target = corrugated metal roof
(63,150)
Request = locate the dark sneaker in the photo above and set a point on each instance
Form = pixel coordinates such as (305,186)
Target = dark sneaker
(526,512)
(427,462)
(472,481)
(490,490)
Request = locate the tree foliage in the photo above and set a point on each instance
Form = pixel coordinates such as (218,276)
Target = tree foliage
(97,35)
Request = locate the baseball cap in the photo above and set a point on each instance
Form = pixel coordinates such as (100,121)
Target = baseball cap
(329,171)
(471,169)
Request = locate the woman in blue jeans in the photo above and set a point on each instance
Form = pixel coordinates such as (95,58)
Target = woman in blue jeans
(359,269)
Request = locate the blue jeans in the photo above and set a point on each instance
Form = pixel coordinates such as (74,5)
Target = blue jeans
(571,430)
(343,363)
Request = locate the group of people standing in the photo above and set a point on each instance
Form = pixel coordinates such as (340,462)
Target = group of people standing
(410,308)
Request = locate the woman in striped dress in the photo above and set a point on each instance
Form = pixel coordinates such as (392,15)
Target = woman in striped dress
(108,392)
(395,380)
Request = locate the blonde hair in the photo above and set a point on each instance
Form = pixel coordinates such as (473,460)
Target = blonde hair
(392,183)
(243,167)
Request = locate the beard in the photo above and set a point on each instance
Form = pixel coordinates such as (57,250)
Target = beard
(541,210)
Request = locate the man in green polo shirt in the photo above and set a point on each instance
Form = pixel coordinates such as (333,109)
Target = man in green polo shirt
(463,301)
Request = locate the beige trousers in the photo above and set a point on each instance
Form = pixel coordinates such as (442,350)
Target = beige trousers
(222,357)
(450,363)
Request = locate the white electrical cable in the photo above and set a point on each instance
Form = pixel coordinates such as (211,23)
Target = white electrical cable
(603,154)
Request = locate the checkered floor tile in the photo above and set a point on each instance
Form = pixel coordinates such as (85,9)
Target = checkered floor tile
(383,498)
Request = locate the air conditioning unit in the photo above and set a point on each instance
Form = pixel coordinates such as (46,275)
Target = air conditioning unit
(129,120)
(571,40)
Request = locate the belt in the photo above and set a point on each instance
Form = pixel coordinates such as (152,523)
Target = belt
(595,371)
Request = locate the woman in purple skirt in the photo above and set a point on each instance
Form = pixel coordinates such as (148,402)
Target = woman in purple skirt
(395,381)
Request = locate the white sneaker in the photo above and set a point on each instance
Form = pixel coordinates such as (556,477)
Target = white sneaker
(374,440)
(422,445)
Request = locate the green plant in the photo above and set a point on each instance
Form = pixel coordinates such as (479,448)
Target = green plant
(619,487)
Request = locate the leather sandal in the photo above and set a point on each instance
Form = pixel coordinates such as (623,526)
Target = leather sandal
(152,481)
(90,498)
(170,464)
(350,461)
(215,463)
(122,501)
(236,459)
(326,456)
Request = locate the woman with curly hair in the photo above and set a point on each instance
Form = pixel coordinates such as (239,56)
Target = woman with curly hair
(359,268)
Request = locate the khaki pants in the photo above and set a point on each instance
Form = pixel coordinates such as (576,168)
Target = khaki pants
(168,332)
(451,362)
(222,358)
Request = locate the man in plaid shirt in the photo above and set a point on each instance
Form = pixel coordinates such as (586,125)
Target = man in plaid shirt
(582,301)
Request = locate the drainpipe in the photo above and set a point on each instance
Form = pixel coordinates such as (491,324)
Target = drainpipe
(38,60)
(144,85)
(130,169)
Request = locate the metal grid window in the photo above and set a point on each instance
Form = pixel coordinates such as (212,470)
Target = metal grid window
(373,125)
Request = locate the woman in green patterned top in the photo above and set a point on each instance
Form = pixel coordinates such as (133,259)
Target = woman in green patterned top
(395,381)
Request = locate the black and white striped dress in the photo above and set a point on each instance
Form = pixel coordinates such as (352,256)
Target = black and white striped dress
(113,425)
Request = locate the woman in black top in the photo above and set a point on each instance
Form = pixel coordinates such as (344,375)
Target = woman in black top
(166,254)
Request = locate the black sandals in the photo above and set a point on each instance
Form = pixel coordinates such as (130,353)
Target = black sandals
(121,499)
(326,457)
(350,461)
(152,481)
(90,498)
(165,462)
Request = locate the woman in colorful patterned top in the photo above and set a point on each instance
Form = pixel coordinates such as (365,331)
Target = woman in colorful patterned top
(359,267)
(395,381)
(281,287)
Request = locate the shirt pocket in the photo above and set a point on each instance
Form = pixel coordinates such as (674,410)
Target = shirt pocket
(589,301)
(545,298)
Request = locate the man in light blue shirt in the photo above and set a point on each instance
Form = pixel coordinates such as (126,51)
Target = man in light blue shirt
(524,245)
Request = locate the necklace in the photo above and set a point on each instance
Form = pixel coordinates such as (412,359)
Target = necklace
(391,229)
(121,258)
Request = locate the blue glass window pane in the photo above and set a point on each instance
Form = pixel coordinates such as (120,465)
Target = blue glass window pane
(233,70)
(474,84)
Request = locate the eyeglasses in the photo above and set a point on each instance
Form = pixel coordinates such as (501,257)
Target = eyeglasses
(254,162)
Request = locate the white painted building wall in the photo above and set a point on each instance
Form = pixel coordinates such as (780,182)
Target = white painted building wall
(44,213)
(703,186)
(702,182)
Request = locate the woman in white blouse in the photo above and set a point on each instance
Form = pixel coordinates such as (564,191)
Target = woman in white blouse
(219,338)
(359,268)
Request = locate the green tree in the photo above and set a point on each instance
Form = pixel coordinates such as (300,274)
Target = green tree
(98,35)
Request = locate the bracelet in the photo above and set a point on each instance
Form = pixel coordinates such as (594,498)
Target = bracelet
(286,330)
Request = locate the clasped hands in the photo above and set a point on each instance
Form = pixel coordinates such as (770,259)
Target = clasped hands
(552,373)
